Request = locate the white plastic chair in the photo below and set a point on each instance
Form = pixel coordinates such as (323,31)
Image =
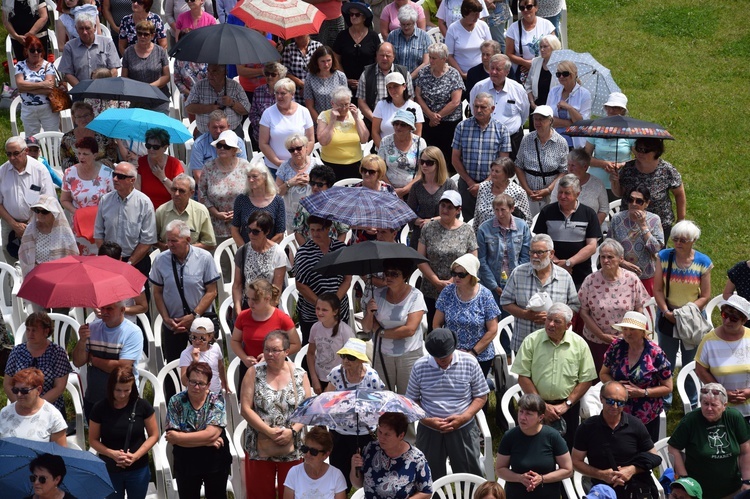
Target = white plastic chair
(456,486)
(10,283)
(226,249)
(347,182)
(233,399)
(289,243)
(712,304)
(168,376)
(500,363)
(436,35)
(289,299)
(487,455)
(15,108)
(226,331)
(661,448)
(145,377)
(79,439)
(11,66)
(63,329)
(512,393)
(688,370)
(150,360)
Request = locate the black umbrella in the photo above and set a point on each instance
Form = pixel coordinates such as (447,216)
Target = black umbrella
(365,258)
(225,44)
(618,127)
(122,89)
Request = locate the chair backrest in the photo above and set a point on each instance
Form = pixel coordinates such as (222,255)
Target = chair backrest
(359,494)
(64,329)
(11,65)
(711,306)
(661,448)
(290,246)
(289,298)
(456,486)
(512,394)
(226,249)
(301,355)
(436,35)
(238,438)
(688,370)
(10,283)
(403,236)
(504,360)
(79,439)
(15,107)
(168,376)
(346,182)
(225,309)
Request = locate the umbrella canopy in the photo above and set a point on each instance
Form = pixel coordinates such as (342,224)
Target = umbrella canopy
(283,18)
(86,475)
(618,127)
(360,206)
(354,409)
(365,258)
(120,89)
(225,44)
(594,77)
(81,281)
(132,124)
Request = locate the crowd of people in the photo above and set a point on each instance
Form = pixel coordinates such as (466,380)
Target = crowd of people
(512,220)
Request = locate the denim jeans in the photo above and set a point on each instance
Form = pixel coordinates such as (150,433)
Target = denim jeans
(135,482)
(555,20)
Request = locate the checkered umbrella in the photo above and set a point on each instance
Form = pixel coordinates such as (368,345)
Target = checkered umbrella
(360,206)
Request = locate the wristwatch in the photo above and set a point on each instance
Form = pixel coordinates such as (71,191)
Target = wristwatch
(196,314)
(645,392)
(745,482)
(568,403)
(567,263)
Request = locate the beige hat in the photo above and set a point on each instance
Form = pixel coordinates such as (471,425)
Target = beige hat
(469,262)
(229,137)
(48,203)
(543,110)
(633,320)
(202,325)
(355,347)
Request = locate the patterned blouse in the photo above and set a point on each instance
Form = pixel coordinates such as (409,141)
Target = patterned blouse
(87,192)
(640,249)
(468,319)
(443,246)
(219,190)
(395,478)
(436,92)
(425,205)
(484,212)
(127,28)
(244,207)
(183,417)
(53,363)
(319,89)
(660,182)
(274,407)
(37,76)
(652,368)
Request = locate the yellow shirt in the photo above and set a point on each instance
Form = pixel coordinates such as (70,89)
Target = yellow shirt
(344,147)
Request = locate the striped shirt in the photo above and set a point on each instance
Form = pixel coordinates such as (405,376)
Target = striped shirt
(124,341)
(444,392)
(307,256)
(728,362)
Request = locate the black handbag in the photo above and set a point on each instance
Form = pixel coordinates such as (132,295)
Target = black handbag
(666,327)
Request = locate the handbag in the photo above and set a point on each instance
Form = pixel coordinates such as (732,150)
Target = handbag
(59,99)
(666,327)
(265,445)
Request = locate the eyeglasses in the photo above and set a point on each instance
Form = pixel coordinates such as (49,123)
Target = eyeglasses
(392,273)
(614,402)
(733,317)
(317,184)
(144,33)
(34,50)
(191,1)
(22,391)
(139,2)
(197,384)
(224,146)
(274,351)
(40,211)
(121,176)
(13,154)
(254,232)
(562,74)
(179,191)
(270,75)
(683,240)
(462,275)
(34,478)
(538,252)
(643,150)
(346,356)
(427,162)
(354,14)
(312,450)
(192,337)
(83,116)
(529,6)
(154,147)
(638,201)
(295,149)
(365,171)
(607,257)
(706,391)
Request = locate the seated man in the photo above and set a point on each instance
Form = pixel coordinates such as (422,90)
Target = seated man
(183,207)
(87,53)
(218,92)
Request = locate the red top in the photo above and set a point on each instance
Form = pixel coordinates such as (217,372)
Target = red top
(152,186)
(255,332)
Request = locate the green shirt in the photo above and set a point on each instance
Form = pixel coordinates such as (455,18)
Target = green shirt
(195,215)
(555,369)
(711,450)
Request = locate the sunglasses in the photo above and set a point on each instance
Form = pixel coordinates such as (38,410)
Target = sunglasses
(192,337)
(614,402)
(22,391)
(41,479)
(154,147)
(139,2)
(462,275)
(733,317)
(295,149)
(317,184)
(226,147)
(643,150)
(392,273)
(365,171)
(530,6)
(427,162)
(346,356)
(34,50)
(254,232)
(638,201)
(313,451)
(13,154)
(179,191)
(40,211)
(355,14)
(144,33)
(270,75)
(706,391)
(562,74)
(121,176)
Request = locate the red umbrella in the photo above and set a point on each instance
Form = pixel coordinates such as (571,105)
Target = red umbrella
(284,18)
(81,281)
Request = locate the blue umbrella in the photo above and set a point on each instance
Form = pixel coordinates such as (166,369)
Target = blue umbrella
(86,474)
(132,124)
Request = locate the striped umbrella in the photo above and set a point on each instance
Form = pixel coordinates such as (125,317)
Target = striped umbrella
(284,18)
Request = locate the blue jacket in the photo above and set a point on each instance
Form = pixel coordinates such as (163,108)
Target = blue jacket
(492,248)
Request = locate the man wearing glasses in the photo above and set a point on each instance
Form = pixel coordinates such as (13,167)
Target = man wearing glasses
(22,181)
(183,207)
(203,151)
(87,53)
(618,447)
(218,92)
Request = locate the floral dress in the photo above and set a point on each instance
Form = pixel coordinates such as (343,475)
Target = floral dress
(87,192)
(219,190)
(127,28)
(395,478)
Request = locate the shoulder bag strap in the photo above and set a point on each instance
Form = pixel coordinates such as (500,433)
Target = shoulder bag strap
(178,282)
(131,421)
(520,38)
(669,274)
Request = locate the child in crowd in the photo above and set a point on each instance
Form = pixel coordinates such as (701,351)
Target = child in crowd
(203,348)
(327,337)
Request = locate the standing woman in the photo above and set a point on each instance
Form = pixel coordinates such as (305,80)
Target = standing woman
(501,171)
(196,428)
(47,236)
(324,75)
(264,97)
(355,47)
(438,89)
(426,192)
(540,80)
(464,38)
(147,62)
(273,389)
(194,18)
(341,133)
(35,79)
(293,177)
(296,58)
(570,102)
(261,194)
(128,32)
(400,151)
(522,38)
(116,433)
(609,155)
(533,458)
(396,100)
(113,11)
(157,168)
(22,18)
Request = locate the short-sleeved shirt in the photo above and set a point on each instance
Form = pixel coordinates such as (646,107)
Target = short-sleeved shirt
(53,363)
(203,151)
(409,52)
(128,32)
(662,180)
(529,38)
(307,256)
(390,15)
(195,215)
(391,315)
(181,415)
(39,426)
(203,93)
(553,155)
(436,90)
(122,342)
(153,187)
(464,45)
(319,89)
(728,362)
(450,11)
(18,191)
(81,61)
(640,246)
(218,189)
(344,147)
(254,332)
(555,369)
(296,62)
(401,166)
(244,207)
(511,102)
(114,425)
(212,357)
(331,483)
(259,265)
(281,126)
(468,319)
(443,247)
(326,346)
(480,146)
(395,478)
(128,222)
(148,69)
(684,284)
(46,69)
(386,110)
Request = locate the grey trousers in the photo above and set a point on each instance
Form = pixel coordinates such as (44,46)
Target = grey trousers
(460,446)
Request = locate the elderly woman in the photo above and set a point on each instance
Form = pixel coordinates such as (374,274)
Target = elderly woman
(609,155)
(390,459)
(31,416)
(157,168)
(83,114)
(356,46)
(593,194)
(35,79)
(293,177)
(396,100)
(533,458)
(21,18)
(481,71)
(522,38)
(538,173)
(260,258)
(464,38)
(715,441)
(410,42)
(173,9)
(40,352)
(501,171)
(400,151)
(503,243)
(341,131)
(310,283)
(606,295)
(261,194)
(539,81)
(640,233)
(390,17)
(128,32)
(441,242)
(281,120)
(438,89)
(222,181)
(196,428)
(569,101)
(296,57)
(314,473)
(117,431)
(715,361)
(47,474)
(322,78)
(642,368)
(147,62)
(272,390)
(683,275)
(469,310)
(659,176)
(264,97)
(394,319)
(322,178)
(47,236)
